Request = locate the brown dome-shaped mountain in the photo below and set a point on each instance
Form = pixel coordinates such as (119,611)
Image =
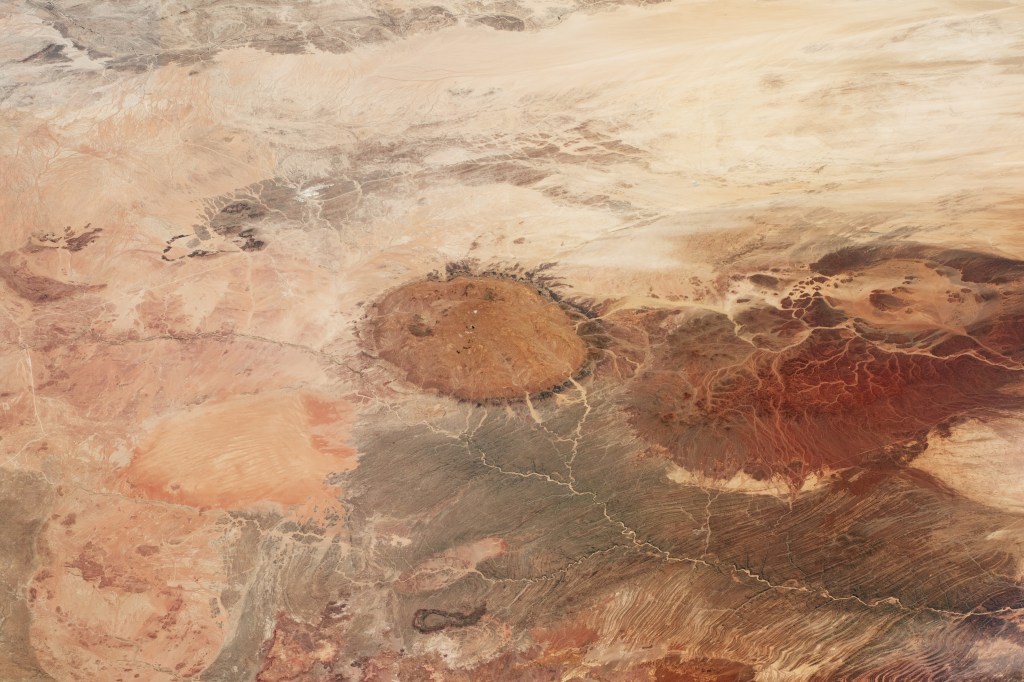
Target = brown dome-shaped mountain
(477,338)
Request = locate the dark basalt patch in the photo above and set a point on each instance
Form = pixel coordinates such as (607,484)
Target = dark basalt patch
(851,258)
(973,266)
(435,620)
(69,239)
(886,302)
(80,241)
(502,22)
(37,288)
(240,217)
(235,221)
(51,54)
(814,310)
(763,280)
(981,267)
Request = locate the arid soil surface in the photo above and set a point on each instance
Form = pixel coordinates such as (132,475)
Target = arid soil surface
(582,341)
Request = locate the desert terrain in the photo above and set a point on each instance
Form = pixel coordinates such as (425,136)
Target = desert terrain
(527,340)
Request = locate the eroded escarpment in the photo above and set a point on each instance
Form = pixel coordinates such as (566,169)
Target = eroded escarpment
(853,366)
(477,337)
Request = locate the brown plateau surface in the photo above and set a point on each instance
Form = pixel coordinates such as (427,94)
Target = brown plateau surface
(477,338)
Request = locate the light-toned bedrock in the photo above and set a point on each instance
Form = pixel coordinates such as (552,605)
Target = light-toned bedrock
(980,460)
(128,589)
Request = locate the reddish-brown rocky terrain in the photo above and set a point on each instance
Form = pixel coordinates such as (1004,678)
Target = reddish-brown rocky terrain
(477,338)
(835,376)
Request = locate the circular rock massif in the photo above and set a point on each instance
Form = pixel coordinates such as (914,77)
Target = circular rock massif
(477,338)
